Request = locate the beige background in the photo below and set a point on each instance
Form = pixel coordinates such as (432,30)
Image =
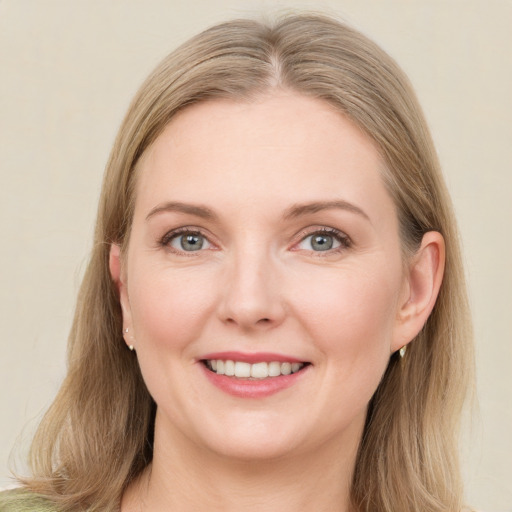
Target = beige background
(68,69)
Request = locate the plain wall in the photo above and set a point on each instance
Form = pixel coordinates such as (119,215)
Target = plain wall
(68,70)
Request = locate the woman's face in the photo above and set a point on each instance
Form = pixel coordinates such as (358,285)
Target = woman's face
(262,235)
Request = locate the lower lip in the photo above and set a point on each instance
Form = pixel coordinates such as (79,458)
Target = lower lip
(257,388)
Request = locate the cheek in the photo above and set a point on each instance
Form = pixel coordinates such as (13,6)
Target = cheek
(351,319)
(351,313)
(168,306)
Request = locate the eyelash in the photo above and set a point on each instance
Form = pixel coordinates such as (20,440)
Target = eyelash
(186,230)
(344,241)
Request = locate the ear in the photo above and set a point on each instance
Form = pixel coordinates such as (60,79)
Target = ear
(421,288)
(118,276)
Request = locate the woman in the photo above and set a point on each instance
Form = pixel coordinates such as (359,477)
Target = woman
(274,316)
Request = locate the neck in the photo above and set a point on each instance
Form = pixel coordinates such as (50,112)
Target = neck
(184,477)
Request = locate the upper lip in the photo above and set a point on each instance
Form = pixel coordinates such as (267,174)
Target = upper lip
(254,357)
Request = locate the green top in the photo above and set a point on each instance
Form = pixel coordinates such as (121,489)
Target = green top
(21,500)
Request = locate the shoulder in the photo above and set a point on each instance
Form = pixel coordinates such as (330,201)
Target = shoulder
(21,500)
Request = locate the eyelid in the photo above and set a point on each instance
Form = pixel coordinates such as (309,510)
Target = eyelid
(165,240)
(344,240)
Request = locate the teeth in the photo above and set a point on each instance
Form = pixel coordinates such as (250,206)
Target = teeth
(256,371)
(274,369)
(229,368)
(242,369)
(259,371)
(286,368)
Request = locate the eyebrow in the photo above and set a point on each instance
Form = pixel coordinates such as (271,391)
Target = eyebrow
(293,212)
(299,210)
(191,209)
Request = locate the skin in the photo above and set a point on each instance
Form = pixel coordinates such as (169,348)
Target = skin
(259,285)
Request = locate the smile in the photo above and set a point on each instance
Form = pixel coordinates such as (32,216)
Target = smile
(253,375)
(259,370)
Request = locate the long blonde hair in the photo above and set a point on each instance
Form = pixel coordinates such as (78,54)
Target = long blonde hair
(97,436)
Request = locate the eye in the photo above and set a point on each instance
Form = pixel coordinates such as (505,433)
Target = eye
(188,241)
(323,240)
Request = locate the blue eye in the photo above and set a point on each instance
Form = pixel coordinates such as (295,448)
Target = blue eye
(322,241)
(189,242)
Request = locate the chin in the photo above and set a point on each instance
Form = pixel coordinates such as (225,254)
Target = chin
(255,449)
(252,436)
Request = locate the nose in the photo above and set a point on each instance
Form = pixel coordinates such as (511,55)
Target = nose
(252,298)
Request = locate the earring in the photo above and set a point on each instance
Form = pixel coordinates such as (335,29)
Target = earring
(131,347)
(402,351)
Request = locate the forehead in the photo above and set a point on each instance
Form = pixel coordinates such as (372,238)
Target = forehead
(277,147)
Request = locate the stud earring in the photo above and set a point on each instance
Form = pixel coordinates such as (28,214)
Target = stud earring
(131,347)
(402,351)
